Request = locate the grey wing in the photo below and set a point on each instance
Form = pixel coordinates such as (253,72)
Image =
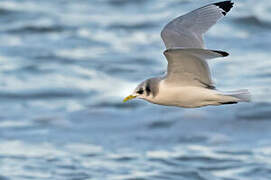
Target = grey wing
(188,67)
(187,30)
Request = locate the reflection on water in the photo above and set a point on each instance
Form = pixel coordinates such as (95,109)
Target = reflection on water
(65,67)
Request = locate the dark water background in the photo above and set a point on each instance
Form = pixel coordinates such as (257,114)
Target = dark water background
(65,67)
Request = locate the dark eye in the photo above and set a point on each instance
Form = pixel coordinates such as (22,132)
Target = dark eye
(148,89)
(140,91)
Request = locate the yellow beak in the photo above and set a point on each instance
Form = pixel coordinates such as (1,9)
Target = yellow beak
(129,98)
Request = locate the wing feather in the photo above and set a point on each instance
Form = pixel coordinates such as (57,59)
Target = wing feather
(188,66)
(187,30)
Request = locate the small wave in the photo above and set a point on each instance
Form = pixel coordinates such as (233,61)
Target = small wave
(123,157)
(186,174)
(167,162)
(38,29)
(76,175)
(235,152)
(161,124)
(115,105)
(125,2)
(252,21)
(143,25)
(261,112)
(205,159)
(258,171)
(4,12)
(3,178)
(192,139)
(49,94)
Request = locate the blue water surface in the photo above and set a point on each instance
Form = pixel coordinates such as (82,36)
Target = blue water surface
(65,67)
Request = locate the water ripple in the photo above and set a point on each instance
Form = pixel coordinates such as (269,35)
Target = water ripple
(66,66)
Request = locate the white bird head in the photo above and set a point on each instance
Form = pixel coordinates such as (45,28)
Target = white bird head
(145,90)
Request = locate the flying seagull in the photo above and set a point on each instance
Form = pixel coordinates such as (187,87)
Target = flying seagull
(188,81)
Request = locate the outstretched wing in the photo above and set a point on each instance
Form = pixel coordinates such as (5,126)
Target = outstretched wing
(187,30)
(188,67)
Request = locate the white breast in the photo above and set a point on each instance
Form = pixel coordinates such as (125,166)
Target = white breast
(183,96)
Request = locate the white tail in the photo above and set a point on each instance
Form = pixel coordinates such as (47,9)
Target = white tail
(242,95)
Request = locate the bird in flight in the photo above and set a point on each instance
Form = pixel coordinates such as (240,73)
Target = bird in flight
(188,81)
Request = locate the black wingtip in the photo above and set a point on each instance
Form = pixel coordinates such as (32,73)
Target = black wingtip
(222,53)
(231,102)
(225,5)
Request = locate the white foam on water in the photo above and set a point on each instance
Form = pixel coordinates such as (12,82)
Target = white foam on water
(32,6)
(11,40)
(121,42)
(13,124)
(223,30)
(24,150)
(80,148)
(82,53)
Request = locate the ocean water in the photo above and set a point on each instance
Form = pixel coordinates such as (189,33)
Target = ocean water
(65,67)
